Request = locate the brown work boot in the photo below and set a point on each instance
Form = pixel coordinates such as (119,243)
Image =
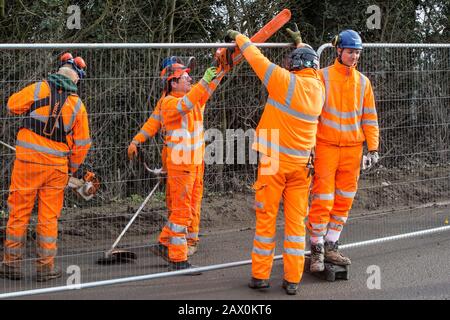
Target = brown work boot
(192,249)
(12,273)
(334,256)
(258,283)
(47,273)
(317,258)
(160,250)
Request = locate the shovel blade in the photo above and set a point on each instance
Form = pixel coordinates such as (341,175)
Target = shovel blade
(118,256)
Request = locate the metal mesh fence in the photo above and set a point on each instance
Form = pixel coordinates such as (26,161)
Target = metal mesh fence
(412,92)
(411,86)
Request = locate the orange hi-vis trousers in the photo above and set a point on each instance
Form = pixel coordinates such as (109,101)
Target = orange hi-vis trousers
(185,189)
(288,181)
(29,180)
(334,188)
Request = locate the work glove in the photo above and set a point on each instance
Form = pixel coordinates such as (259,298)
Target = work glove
(295,35)
(370,159)
(210,74)
(132,151)
(232,34)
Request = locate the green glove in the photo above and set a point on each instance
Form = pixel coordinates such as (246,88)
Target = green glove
(232,34)
(295,35)
(210,74)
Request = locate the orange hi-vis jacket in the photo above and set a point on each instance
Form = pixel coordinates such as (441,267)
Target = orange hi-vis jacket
(182,123)
(34,148)
(151,126)
(349,116)
(288,126)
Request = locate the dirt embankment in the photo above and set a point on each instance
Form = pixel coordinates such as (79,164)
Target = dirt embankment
(380,190)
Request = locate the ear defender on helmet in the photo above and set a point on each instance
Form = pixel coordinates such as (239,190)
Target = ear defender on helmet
(77,64)
(303,57)
(335,41)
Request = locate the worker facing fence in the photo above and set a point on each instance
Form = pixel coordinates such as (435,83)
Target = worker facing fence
(296,97)
(53,140)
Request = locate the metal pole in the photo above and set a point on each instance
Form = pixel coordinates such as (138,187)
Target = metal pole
(65,46)
(133,218)
(8,146)
(210,268)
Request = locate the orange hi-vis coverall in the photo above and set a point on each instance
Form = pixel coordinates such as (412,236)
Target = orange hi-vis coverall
(182,122)
(285,136)
(348,119)
(41,165)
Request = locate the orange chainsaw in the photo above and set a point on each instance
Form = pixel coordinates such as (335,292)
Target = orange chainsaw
(86,187)
(226,58)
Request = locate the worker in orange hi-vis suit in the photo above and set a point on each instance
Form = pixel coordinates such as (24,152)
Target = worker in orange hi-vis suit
(284,137)
(348,119)
(181,108)
(150,129)
(53,140)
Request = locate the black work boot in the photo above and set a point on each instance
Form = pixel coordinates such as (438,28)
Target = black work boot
(290,287)
(183,265)
(334,256)
(12,273)
(317,258)
(160,250)
(47,273)
(258,283)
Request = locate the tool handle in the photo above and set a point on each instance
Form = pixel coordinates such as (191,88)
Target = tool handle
(134,217)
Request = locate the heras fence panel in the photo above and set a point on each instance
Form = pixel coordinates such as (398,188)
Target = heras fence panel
(398,195)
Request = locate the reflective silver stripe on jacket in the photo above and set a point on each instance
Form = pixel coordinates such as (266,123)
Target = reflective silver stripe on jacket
(37,89)
(278,148)
(183,147)
(338,126)
(82,142)
(292,112)
(77,109)
(268,74)
(370,122)
(42,149)
(246,45)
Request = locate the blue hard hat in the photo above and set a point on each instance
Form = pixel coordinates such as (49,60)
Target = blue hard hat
(348,39)
(169,61)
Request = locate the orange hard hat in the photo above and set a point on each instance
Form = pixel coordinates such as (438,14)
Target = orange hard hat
(173,71)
